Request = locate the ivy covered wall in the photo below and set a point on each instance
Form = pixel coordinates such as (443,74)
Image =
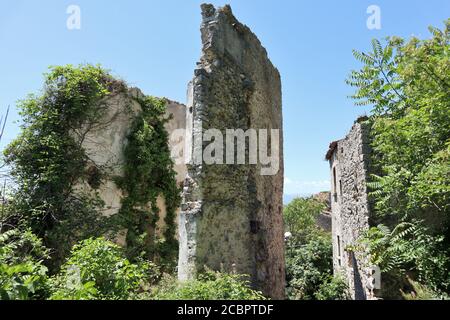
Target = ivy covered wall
(92,159)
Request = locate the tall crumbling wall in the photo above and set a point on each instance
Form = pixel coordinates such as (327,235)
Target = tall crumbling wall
(231,216)
(349,164)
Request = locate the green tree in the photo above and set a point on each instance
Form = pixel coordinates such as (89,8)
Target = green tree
(309,262)
(407,84)
(300,216)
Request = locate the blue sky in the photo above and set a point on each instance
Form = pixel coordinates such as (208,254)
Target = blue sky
(154,45)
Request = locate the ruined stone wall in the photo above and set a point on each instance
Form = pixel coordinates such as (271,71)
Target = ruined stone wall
(323,219)
(231,216)
(349,164)
(104,144)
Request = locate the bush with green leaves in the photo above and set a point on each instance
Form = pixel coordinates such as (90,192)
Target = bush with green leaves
(23,275)
(208,286)
(308,266)
(96,269)
(309,262)
(335,288)
(409,249)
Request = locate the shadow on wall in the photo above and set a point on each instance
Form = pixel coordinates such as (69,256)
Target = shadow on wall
(360,293)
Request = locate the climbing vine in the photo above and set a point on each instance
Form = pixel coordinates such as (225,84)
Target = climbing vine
(149,174)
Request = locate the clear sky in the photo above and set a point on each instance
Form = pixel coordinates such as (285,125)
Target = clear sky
(154,45)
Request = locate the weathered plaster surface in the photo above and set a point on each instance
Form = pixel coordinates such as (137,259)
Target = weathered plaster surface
(104,144)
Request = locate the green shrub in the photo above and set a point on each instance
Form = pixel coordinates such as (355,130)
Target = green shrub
(308,266)
(421,292)
(22,273)
(209,286)
(97,269)
(333,289)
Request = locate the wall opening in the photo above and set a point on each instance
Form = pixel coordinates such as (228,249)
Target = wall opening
(339,250)
(334,185)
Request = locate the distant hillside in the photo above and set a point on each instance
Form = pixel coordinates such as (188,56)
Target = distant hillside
(322,196)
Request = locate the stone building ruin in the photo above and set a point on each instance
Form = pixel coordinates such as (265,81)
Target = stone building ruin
(350,210)
(231,217)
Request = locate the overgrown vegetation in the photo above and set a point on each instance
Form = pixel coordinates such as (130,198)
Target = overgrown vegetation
(209,286)
(309,262)
(48,161)
(97,269)
(407,83)
(51,233)
(148,173)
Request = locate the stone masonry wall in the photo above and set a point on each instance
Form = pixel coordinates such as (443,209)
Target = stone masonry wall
(231,218)
(349,164)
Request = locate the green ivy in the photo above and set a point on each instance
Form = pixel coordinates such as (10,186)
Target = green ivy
(148,174)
